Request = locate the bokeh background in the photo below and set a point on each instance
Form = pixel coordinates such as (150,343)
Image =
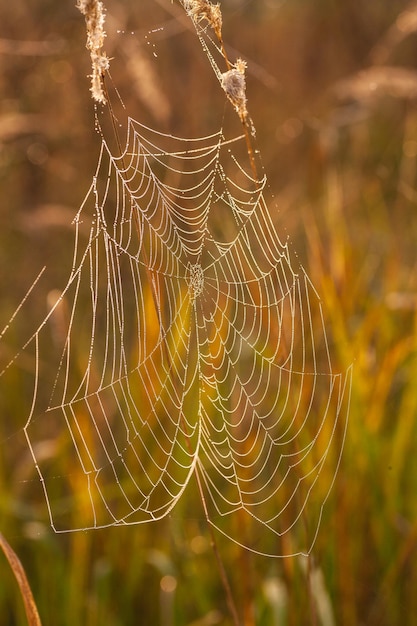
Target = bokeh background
(332,91)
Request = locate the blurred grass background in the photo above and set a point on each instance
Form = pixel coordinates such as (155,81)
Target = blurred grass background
(332,89)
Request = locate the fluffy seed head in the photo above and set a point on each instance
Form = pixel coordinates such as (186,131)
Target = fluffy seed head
(204,10)
(234,84)
(94,13)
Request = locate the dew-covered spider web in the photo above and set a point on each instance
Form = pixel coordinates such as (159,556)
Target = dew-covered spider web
(187,343)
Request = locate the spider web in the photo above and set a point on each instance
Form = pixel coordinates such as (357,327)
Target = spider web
(183,343)
(186,343)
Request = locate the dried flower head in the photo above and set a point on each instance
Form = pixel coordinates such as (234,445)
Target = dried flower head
(200,10)
(94,13)
(234,84)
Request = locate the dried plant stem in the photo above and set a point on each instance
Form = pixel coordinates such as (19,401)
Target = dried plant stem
(233,79)
(234,84)
(17,568)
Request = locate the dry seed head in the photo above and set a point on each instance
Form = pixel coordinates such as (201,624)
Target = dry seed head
(234,84)
(94,13)
(200,10)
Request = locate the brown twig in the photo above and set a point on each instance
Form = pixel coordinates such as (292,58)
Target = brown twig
(20,575)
